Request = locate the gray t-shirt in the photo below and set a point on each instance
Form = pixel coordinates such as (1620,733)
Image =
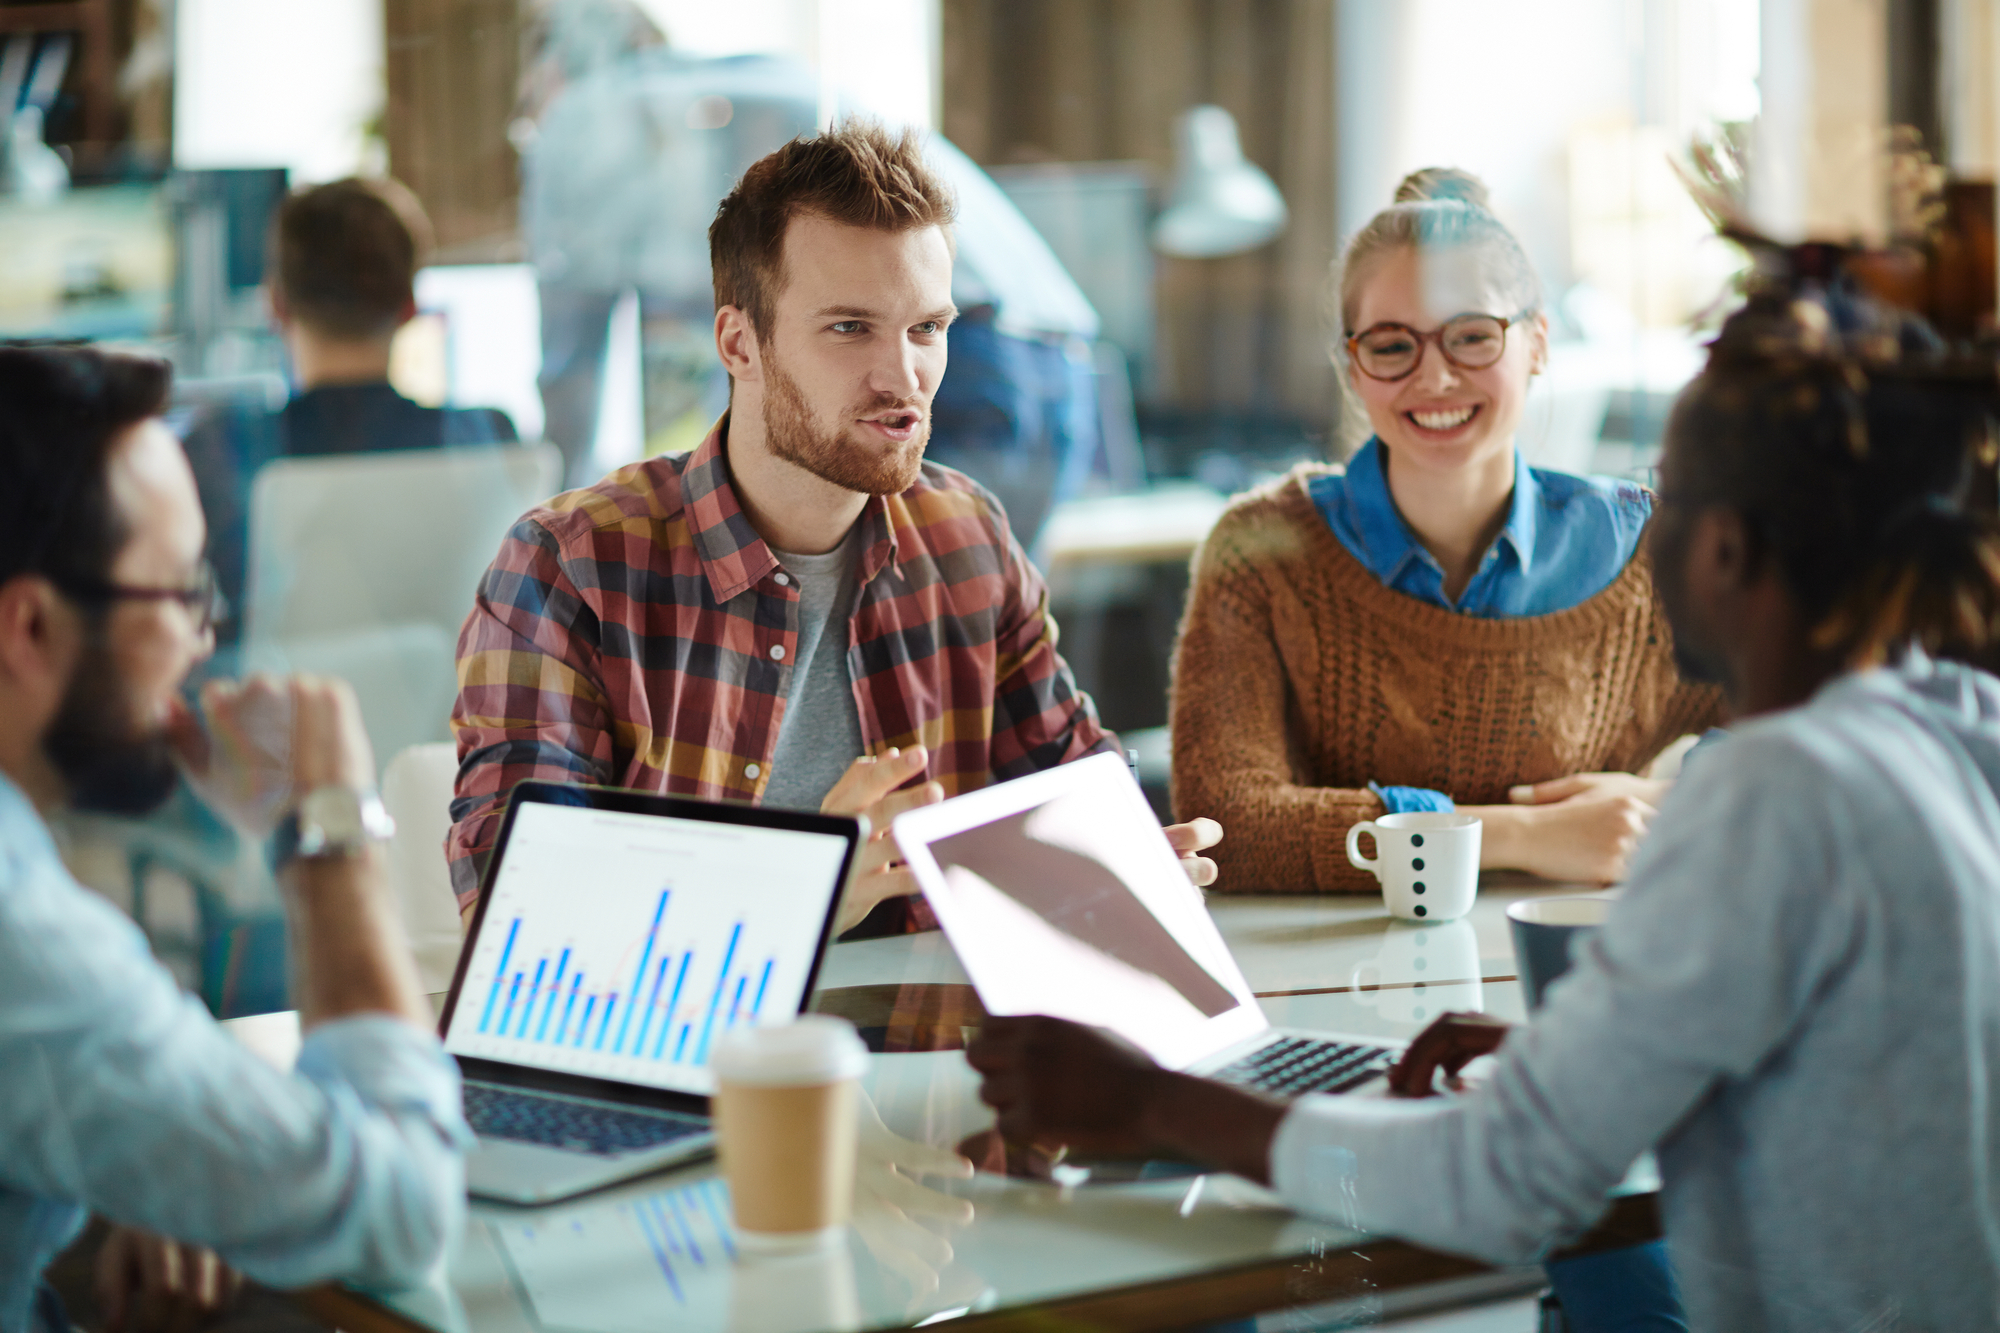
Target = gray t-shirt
(821,731)
(1796,1002)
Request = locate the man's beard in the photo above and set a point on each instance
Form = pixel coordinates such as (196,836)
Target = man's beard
(111,761)
(848,463)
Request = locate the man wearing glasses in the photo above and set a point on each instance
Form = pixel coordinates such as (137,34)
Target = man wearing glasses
(121,1095)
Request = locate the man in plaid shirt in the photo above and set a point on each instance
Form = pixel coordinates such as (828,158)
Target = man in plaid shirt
(745,620)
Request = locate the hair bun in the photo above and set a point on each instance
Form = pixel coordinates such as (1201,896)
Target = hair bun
(1430,183)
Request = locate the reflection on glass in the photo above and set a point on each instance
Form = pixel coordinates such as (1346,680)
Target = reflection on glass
(616,1264)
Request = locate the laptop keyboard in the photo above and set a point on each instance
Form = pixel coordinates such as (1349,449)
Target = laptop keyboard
(1295,1065)
(558,1122)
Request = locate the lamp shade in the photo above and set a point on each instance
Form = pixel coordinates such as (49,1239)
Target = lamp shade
(1220,204)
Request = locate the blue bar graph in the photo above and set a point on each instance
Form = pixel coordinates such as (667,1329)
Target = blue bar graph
(736,1002)
(512,992)
(528,1009)
(715,1001)
(652,1002)
(673,1003)
(659,1254)
(624,1021)
(555,987)
(569,1005)
(499,972)
(639,977)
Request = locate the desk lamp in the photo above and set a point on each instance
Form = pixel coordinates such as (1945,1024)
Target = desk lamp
(1220,204)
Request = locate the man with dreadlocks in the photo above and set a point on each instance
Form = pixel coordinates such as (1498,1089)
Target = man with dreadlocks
(1796,1002)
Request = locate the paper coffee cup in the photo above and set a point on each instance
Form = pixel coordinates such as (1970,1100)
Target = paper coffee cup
(785,1129)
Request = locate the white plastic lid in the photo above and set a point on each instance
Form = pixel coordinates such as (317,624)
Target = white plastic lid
(815,1049)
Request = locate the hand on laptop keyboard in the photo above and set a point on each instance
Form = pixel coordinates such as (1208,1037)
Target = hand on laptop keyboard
(1451,1043)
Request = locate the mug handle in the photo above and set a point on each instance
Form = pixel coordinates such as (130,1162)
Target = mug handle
(1373,865)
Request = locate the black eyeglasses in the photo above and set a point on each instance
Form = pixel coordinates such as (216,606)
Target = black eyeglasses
(203,598)
(1393,351)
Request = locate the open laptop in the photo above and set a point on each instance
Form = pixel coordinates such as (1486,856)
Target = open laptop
(1061,897)
(618,936)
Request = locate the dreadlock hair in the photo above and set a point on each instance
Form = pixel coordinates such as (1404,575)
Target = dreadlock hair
(1870,479)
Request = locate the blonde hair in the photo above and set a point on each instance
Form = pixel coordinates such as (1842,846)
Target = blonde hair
(1436,208)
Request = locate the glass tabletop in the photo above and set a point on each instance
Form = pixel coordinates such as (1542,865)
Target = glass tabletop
(1137,1245)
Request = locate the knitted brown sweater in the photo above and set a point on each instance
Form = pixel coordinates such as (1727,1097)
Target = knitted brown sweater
(1299,678)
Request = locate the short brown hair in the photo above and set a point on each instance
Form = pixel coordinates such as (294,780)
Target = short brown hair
(345,255)
(856,173)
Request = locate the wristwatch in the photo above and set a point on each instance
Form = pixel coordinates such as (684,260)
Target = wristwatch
(330,822)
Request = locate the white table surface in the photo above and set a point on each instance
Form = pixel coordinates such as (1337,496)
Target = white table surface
(657,1250)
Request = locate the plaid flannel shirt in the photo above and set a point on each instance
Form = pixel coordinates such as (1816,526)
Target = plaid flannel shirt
(639,633)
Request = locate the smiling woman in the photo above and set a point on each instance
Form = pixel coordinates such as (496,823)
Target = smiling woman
(1436,621)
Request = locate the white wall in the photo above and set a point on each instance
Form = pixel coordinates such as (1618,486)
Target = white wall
(288,83)
(1508,91)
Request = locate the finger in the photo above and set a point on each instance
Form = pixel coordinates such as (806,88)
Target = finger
(1200,870)
(901,1246)
(886,809)
(919,1200)
(986,1150)
(869,779)
(207,1284)
(116,1275)
(1412,1075)
(1541,793)
(888,881)
(1471,1044)
(924,1159)
(1194,835)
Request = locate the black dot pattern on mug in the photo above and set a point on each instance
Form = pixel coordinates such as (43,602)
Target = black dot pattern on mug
(1418,886)
(1416,840)
(1417,864)
(1421,911)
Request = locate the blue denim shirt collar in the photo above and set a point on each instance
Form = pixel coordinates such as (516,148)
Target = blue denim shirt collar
(1373,523)
(1565,538)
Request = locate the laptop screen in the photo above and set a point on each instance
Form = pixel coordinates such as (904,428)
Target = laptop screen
(1061,897)
(620,945)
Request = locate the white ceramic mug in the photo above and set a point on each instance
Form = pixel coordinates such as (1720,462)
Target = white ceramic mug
(1427,862)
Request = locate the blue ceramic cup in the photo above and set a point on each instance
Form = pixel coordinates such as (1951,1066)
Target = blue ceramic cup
(1545,932)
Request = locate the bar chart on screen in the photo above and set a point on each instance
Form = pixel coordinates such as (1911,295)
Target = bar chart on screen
(591,1267)
(675,938)
(674,1022)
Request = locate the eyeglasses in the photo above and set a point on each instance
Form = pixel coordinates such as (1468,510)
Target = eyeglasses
(203,598)
(1393,351)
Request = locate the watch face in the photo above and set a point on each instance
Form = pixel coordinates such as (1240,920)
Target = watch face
(341,817)
(334,812)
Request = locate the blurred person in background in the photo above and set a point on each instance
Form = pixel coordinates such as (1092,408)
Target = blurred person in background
(626,149)
(342,279)
(1019,411)
(119,1094)
(1792,1003)
(1437,622)
(802,611)
(341,272)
